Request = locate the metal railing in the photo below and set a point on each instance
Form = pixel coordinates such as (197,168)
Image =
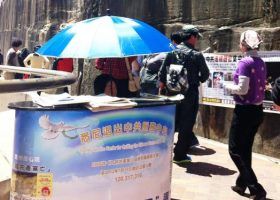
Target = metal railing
(48,79)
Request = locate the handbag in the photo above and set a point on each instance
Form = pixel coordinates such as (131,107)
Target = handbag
(133,82)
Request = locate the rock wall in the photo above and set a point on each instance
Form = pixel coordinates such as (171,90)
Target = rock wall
(221,23)
(35,21)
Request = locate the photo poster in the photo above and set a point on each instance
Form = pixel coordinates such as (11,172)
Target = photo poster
(222,68)
(111,155)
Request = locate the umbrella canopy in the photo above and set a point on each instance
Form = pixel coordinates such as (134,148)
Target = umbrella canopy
(105,37)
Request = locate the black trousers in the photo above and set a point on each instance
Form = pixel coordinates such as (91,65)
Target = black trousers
(121,84)
(122,88)
(245,123)
(186,113)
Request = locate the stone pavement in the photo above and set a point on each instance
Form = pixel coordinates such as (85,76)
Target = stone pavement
(208,177)
(212,172)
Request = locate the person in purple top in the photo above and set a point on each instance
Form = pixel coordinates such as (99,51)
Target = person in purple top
(248,91)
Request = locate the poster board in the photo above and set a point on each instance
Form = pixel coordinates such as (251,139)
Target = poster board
(78,154)
(222,67)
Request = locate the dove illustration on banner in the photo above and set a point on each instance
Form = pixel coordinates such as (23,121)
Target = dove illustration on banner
(52,130)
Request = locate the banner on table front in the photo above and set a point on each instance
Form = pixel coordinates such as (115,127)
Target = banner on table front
(222,68)
(124,154)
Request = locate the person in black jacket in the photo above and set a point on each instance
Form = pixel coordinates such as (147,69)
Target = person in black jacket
(276,92)
(1,58)
(186,111)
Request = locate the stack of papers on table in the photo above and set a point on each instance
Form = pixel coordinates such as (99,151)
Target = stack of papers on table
(104,102)
(94,103)
(50,100)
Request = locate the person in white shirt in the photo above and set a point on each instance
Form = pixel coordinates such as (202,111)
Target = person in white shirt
(35,60)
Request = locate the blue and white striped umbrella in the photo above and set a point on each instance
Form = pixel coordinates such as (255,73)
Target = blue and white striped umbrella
(106,37)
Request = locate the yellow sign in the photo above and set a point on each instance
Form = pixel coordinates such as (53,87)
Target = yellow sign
(212,100)
(44,185)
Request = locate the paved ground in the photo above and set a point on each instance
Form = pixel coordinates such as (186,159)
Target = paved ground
(208,177)
(212,172)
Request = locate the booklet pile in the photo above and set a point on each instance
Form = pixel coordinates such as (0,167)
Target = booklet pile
(94,103)
(105,102)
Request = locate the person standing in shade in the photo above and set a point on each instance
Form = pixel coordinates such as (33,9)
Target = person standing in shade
(117,69)
(12,59)
(105,84)
(1,58)
(248,91)
(186,111)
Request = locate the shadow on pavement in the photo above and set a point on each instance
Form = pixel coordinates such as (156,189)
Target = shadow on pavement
(201,151)
(248,196)
(206,169)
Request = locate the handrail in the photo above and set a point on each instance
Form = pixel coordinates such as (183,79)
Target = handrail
(50,79)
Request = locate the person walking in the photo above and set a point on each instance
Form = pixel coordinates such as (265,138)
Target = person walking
(186,110)
(248,92)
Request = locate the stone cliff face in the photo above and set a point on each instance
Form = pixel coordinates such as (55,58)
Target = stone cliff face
(221,23)
(34,21)
(37,20)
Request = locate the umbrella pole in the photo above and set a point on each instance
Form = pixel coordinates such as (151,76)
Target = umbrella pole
(80,72)
(111,81)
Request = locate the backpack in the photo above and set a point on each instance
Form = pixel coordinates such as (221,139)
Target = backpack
(149,72)
(176,76)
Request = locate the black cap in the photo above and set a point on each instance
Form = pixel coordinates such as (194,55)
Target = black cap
(191,29)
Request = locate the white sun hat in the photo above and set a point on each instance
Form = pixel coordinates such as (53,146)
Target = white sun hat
(251,39)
